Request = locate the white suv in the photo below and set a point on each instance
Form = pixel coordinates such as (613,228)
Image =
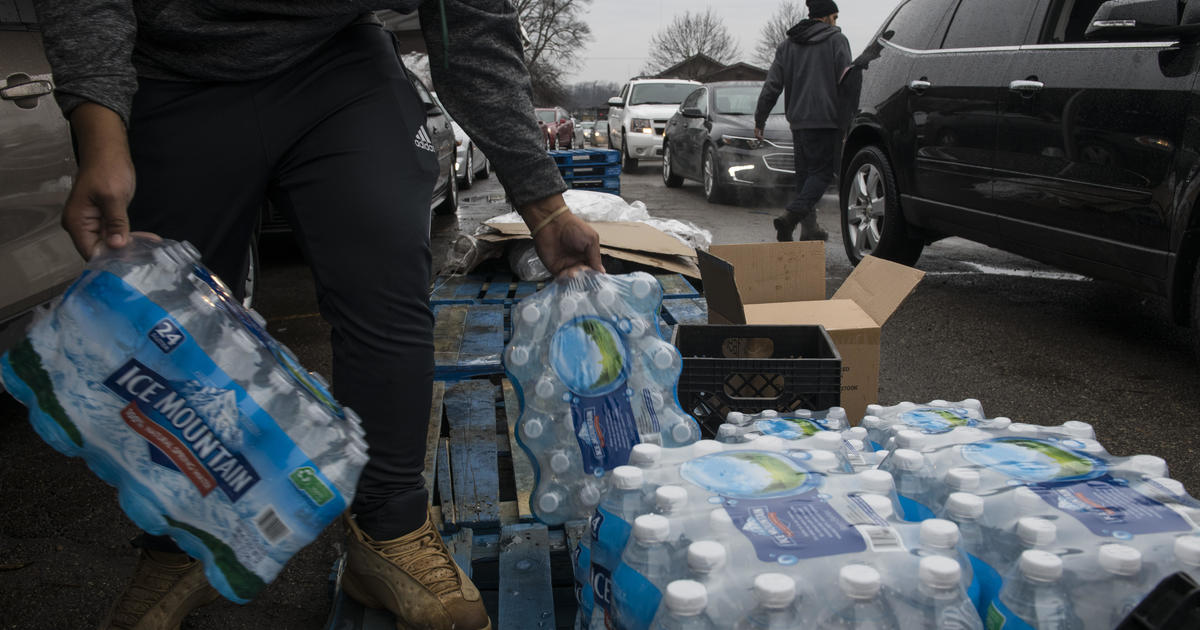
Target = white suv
(637,118)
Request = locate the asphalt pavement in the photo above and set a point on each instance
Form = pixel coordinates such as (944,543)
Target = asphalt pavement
(1029,341)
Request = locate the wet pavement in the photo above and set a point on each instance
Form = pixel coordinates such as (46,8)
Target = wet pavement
(1029,341)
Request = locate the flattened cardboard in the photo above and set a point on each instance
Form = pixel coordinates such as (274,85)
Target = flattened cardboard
(834,314)
(879,286)
(628,235)
(720,289)
(676,264)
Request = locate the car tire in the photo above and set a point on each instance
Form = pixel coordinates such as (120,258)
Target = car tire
(714,190)
(629,163)
(670,179)
(872,220)
(468,179)
(485,171)
(449,205)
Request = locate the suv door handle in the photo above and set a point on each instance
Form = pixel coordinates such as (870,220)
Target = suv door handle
(24,90)
(1026,87)
(919,85)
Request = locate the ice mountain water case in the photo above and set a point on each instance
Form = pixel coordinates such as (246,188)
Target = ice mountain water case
(152,372)
(594,379)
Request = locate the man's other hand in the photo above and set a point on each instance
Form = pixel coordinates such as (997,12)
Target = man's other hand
(565,244)
(95,212)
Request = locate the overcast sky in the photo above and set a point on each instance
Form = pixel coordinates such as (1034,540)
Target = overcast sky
(621,30)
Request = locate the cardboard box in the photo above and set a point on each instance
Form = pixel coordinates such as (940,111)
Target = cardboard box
(784,283)
(636,242)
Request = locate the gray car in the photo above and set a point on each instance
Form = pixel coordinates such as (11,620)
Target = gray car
(37,168)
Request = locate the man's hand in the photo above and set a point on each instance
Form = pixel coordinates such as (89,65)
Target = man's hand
(758,134)
(95,212)
(566,243)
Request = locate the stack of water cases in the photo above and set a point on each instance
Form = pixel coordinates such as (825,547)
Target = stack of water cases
(595,380)
(172,392)
(964,521)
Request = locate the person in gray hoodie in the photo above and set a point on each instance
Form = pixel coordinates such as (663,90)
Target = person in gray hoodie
(806,69)
(219,105)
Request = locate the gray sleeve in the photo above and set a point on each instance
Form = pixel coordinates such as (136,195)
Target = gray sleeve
(89,44)
(485,85)
(841,56)
(771,89)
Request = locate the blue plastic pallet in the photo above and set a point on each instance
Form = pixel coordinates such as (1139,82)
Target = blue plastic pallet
(579,157)
(592,171)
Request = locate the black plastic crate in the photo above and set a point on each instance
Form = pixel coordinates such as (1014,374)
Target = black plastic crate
(1174,603)
(752,368)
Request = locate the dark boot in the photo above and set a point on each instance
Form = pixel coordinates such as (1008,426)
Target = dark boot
(785,224)
(810,230)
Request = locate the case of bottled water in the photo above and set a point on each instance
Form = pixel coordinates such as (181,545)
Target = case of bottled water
(212,432)
(595,379)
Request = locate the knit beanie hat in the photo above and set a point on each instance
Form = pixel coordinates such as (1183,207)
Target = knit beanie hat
(820,8)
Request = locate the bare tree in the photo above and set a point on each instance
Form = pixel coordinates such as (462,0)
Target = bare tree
(775,30)
(688,35)
(556,32)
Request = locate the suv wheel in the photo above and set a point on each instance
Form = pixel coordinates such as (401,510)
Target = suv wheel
(468,179)
(872,222)
(629,163)
(714,190)
(485,171)
(670,179)
(449,205)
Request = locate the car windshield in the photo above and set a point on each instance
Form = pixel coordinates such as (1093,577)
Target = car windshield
(602,126)
(660,93)
(741,100)
(545,115)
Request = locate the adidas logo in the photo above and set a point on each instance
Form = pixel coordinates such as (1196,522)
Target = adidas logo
(422,141)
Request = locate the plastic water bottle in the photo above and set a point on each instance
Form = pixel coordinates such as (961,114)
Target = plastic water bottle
(964,509)
(707,561)
(610,530)
(671,503)
(958,479)
(865,607)
(939,537)
(940,602)
(1036,595)
(1187,556)
(683,608)
(1120,588)
(776,609)
(909,470)
(647,565)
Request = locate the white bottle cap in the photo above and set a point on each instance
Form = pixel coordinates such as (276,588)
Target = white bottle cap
(1036,532)
(1149,465)
(669,499)
(651,528)
(686,598)
(1171,485)
(664,357)
(706,447)
(628,477)
(532,427)
(939,572)
(518,355)
(1187,550)
(879,504)
(876,481)
(859,581)
(568,306)
(719,520)
(706,556)
(827,440)
(908,459)
(774,590)
(855,433)
(1023,428)
(1077,429)
(735,418)
(1028,501)
(964,505)
(769,413)
(837,413)
(530,313)
(1000,422)
(939,533)
(907,438)
(606,296)
(823,461)
(1091,446)
(873,410)
(559,462)
(964,479)
(544,388)
(972,403)
(549,502)
(939,403)
(871,422)
(727,432)
(641,288)
(645,455)
(589,494)
(856,445)
(1041,566)
(682,431)
(1120,559)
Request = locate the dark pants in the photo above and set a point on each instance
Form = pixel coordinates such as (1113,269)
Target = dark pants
(330,143)
(814,150)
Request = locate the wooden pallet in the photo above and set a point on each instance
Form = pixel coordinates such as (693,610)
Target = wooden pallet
(479,484)
(468,340)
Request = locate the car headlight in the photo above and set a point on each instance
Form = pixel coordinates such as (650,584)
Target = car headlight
(741,142)
(641,125)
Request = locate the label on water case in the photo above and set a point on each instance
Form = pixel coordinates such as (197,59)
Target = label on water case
(790,428)
(934,420)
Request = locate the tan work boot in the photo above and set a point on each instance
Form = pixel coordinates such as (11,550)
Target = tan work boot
(164,589)
(415,578)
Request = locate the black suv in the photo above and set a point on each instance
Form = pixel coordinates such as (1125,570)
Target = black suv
(1067,131)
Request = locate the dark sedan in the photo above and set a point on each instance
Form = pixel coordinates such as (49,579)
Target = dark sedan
(711,140)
